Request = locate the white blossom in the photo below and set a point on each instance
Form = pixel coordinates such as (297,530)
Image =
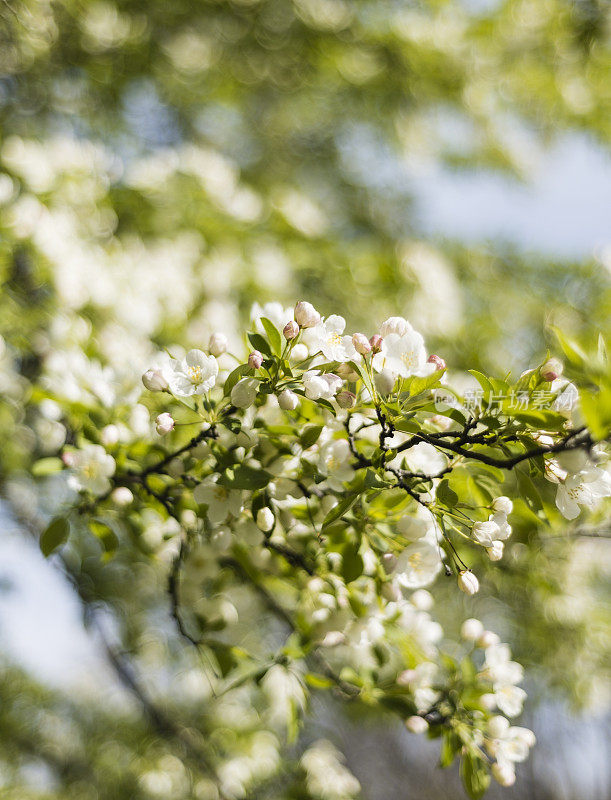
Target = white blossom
(334,461)
(585,488)
(327,337)
(220,501)
(485,532)
(287,400)
(418,565)
(502,505)
(403,355)
(92,467)
(495,551)
(321,387)
(194,374)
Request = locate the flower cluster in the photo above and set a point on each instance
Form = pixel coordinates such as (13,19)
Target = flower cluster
(320,474)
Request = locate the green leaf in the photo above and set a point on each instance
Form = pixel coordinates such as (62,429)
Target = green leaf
(245,477)
(54,535)
(570,348)
(450,746)
(417,386)
(339,510)
(47,466)
(105,534)
(447,495)
(352,563)
(318,681)
(483,381)
(310,435)
(259,343)
(234,377)
(273,335)
(475,776)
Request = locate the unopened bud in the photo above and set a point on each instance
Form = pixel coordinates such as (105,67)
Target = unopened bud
(488,639)
(498,726)
(471,630)
(407,677)
(416,724)
(385,381)
(346,372)
(122,496)
(361,343)
(287,400)
(154,380)
(299,353)
(467,582)
(306,316)
(109,435)
(437,360)
(244,393)
(164,423)
(265,519)
(422,600)
(217,344)
(503,773)
(389,562)
(290,330)
(255,359)
(376,343)
(552,369)
(346,400)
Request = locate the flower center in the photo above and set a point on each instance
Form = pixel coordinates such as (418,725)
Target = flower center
(334,339)
(220,493)
(195,374)
(408,359)
(414,560)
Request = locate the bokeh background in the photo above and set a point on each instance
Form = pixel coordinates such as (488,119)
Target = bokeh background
(163,166)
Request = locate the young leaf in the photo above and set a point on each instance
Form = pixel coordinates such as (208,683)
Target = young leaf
(339,510)
(310,435)
(475,776)
(54,535)
(273,335)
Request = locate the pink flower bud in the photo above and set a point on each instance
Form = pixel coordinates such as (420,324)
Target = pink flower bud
(437,360)
(552,369)
(69,458)
(416,724)
(376,343)
(290,330)
(164,423)
(361,343)
(255,359)
(346,400)
(306,316)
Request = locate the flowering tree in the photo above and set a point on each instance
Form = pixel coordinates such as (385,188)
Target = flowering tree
(327,479)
